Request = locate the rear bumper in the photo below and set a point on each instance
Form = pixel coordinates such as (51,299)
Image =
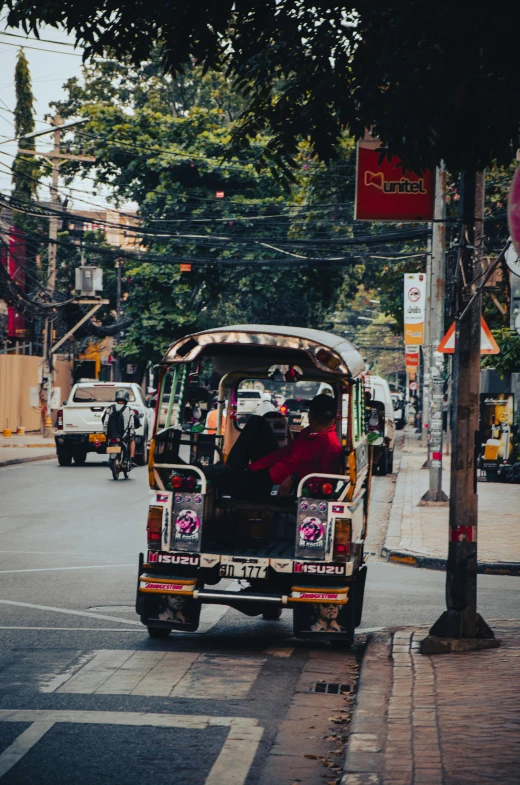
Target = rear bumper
(66,442)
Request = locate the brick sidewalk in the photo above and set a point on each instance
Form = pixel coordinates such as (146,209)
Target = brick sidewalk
(448,719)
(423,531)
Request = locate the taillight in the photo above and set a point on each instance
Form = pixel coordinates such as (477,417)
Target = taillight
(190,483)
(59,420)
(327,489)
(180,483)
(154,527)
(313,487)
(283,409)
(114,440)
(318,488)
(342,534)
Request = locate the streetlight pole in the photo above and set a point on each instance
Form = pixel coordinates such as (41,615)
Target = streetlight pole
(119,264)
(460,626)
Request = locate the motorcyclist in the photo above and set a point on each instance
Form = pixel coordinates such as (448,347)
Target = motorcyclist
(121,405)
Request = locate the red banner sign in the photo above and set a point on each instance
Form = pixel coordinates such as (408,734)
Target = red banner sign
(384,192)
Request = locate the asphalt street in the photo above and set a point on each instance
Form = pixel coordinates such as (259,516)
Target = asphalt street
(86,696)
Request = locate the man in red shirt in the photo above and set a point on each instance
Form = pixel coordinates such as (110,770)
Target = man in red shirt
(254,464)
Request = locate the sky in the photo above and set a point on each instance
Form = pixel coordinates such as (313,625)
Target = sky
(51,65)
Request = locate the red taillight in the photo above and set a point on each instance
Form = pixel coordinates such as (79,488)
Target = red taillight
(176,481)
(59,420)
(327,489)
(342,534)
(114,440)
(190,483)
(154,527)
(283,409)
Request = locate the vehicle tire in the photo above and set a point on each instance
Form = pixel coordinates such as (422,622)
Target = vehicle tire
(390,461)
(272,614)
(115,467)
(141,458)
(64,459)
(159,633)
(382,466)
(80,458)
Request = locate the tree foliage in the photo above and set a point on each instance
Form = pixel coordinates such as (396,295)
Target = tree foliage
(25,168)
(435,82)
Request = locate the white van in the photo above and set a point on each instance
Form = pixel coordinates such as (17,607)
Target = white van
(381,392)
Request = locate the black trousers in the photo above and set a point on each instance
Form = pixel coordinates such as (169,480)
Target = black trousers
(235,478)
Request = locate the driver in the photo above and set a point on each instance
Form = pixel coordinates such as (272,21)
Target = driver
(255,464)
(121,405)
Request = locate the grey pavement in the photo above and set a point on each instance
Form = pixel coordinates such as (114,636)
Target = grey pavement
(30,447)
(70,642)
(418,535)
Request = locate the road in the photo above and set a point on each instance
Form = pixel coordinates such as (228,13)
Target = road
(87,697)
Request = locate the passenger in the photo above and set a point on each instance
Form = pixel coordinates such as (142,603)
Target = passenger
(255,464)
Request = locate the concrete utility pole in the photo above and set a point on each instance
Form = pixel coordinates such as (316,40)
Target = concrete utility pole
(57,158)
(435,494)
(426,353)
(461,620)
(119,265)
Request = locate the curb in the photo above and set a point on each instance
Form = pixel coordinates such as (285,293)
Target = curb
(364,759)
(41,446)
(29,459)
(437,563)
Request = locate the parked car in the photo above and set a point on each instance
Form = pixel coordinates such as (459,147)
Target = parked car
(79,423)
(399,404)
(383,455)
(297,412)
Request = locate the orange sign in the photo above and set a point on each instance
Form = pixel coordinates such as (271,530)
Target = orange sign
(488,345)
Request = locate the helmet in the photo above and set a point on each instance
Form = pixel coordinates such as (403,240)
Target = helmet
(122,395)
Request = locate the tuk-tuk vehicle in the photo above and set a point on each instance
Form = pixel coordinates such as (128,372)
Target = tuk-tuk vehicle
(303,552)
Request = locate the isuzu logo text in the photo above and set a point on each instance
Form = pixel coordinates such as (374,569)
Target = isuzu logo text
(172,558)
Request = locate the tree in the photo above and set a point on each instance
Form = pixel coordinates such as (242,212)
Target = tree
(172,159)
(435,84)
(25,168)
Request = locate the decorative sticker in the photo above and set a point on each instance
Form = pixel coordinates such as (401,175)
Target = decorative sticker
(187,526)
(312,533)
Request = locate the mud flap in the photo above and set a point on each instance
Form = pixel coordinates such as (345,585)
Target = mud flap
(166,611)
(171,611)
(322,620)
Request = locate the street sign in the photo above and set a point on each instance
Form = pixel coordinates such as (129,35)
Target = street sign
(488,345)
(513,260)
(413,386)
(414,308)
(385,192)
(513,210)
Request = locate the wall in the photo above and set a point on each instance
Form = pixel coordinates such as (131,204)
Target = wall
(18,373)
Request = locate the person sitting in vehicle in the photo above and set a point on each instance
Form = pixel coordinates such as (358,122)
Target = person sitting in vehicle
(125,418)
(255,464)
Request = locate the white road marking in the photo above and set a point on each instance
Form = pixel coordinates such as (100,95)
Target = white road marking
(56,569)
(69,612)
(158,673)
(22,744)
(232,765)
(277,651)
(219,678)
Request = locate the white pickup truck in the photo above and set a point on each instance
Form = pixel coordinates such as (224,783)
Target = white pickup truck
(79,425)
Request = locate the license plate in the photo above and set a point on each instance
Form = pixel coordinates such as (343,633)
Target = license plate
(112,450)
(236,567)
(96,437)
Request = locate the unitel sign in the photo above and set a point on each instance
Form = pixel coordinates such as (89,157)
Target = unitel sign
(385,192)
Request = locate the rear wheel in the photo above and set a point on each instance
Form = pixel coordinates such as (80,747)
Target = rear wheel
(64,459)
(141,457)
(80,458)
(390,461)
(382,466)
(115,466)
(159,633)
(272,614)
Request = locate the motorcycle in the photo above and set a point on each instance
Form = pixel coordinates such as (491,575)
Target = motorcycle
(118,457)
